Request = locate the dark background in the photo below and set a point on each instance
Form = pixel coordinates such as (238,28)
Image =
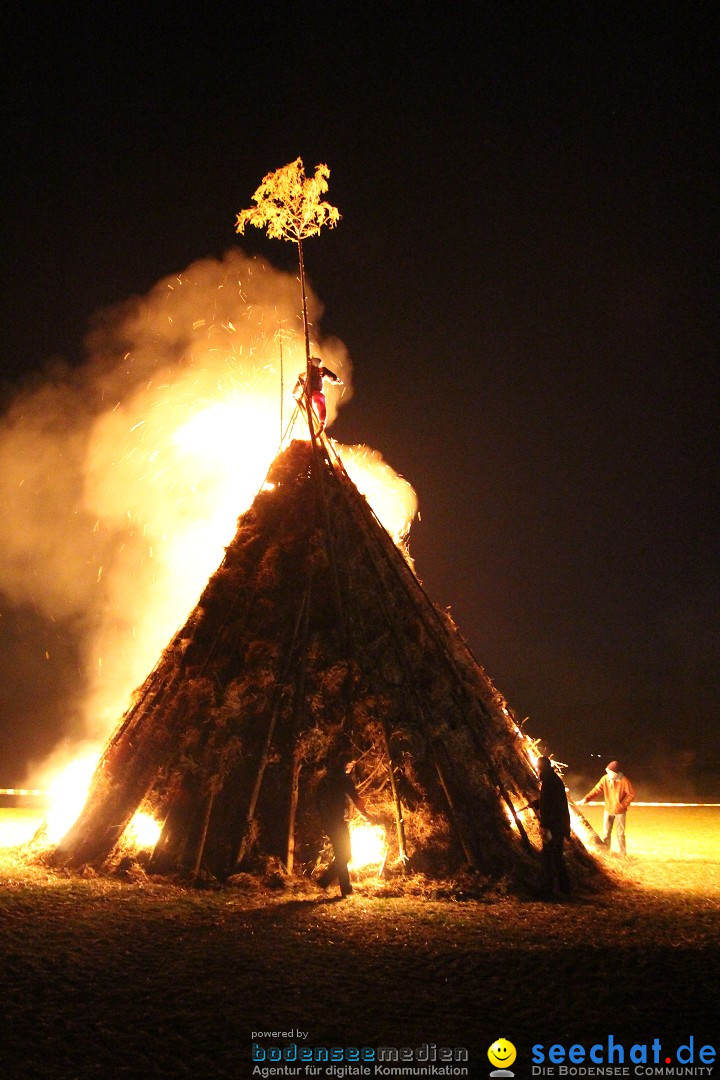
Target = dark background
(525,276)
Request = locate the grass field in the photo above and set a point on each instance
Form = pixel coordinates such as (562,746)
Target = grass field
(106,978)
(668,831)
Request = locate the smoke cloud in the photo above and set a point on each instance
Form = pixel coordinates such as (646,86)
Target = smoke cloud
(121,480)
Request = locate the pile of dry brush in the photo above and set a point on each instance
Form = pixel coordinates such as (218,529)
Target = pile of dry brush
(313,634)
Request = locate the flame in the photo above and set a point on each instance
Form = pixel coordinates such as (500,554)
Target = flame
(580,828)
(170,470)
(391,497)
(143,832)
(67,793)
(122,482)
(15,831)
(368,845)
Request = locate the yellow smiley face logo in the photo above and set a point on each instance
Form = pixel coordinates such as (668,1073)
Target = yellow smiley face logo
(502,1053)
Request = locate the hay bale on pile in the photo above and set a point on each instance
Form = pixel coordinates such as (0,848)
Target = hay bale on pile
(313,632)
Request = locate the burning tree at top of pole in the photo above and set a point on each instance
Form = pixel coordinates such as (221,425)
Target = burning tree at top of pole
(289,207)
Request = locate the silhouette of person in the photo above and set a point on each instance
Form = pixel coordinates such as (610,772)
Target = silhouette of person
(335,791)
(554,816)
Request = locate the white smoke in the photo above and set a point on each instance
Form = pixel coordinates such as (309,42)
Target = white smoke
(121,481)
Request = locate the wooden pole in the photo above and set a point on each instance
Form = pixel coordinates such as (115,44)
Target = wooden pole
(299,710)
(294,795)
(453,810)
(204,831)
(306,328)
(397,805)
(311,425)
(282,392)
(306,325)
(270,731)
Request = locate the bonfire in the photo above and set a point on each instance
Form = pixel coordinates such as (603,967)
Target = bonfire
(314,632)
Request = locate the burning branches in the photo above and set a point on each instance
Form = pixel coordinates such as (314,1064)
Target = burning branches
(288,204)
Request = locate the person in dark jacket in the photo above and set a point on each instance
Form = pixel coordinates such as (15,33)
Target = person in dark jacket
(554,815)
(318,373)
(335,791)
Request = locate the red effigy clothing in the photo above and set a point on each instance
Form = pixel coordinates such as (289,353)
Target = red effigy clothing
(317,375)
(319,407)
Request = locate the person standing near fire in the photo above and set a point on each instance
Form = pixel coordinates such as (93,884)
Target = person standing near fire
(334,792)
(554,817)
(318,373)
(617,793)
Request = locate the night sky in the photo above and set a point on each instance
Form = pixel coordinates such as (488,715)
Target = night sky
(525,275)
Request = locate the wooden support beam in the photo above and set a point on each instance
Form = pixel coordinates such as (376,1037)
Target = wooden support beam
(397,805)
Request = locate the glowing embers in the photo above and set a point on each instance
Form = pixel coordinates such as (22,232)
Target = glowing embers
(368,845)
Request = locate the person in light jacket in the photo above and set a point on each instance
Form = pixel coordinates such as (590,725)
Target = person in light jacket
(617,793)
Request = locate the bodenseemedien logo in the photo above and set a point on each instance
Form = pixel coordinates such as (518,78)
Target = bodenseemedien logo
(501,1054)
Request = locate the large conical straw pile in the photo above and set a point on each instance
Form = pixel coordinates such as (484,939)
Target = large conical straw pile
(314,633)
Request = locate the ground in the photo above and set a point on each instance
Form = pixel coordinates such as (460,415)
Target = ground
(110,978)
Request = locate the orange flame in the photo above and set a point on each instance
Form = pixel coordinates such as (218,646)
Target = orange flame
(122,485)
(368,845)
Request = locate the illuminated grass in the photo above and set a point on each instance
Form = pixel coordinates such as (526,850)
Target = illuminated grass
(18,825)
(170,981)
(675,832)
(674,848)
